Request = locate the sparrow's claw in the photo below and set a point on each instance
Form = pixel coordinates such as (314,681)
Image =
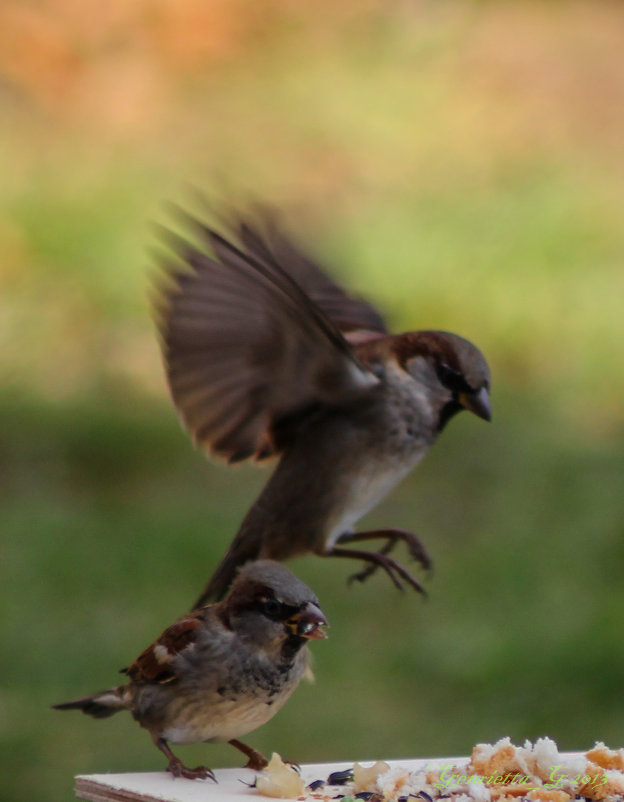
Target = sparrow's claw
(414,545)
(362,576)
(378,559)
(417,551)
(392,567)
(178,769)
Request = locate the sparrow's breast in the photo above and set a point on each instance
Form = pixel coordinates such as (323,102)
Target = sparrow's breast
(386,442)
(245,692)
(218,720)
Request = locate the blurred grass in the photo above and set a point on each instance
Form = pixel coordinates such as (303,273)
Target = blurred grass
(459,163)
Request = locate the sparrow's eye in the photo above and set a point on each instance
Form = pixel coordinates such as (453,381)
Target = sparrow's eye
(272,608)
(451,378)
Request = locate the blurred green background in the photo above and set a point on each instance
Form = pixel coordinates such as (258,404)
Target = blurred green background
(459,163)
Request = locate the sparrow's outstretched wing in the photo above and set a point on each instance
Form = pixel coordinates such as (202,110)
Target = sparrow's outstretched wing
(269,243)
(245,348)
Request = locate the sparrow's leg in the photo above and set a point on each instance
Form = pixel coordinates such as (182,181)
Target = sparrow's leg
(415,547)
(395,570)
(177,768)
(256,760)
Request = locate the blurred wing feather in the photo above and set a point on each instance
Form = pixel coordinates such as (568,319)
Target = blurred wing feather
(345,312)
(245,347)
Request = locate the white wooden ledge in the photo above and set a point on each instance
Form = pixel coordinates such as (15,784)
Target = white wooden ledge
(230,785)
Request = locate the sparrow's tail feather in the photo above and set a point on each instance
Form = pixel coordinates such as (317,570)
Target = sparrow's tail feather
(99,705)
(245,548)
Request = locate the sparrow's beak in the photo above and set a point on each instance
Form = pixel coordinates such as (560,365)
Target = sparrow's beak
(307,622)
(478,403)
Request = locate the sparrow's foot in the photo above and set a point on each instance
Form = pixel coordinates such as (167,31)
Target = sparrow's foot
(379,559)
(414,545)
(178,769)
(256,761)
(363,575)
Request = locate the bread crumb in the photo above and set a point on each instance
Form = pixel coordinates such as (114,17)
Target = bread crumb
(511,791)
(366,776)
(547,795)
(497,763)
(280,780)
(607,758)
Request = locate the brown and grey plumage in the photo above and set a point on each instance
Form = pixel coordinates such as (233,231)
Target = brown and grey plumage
(221,671)
(266,356)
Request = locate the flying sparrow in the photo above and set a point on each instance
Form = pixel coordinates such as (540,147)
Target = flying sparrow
(266,356)
(221,671)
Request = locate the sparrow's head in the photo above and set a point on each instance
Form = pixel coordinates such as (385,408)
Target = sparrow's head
(269,607)
(453,370)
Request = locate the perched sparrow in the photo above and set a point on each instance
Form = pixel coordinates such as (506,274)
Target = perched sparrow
(265,355)
(221,671)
